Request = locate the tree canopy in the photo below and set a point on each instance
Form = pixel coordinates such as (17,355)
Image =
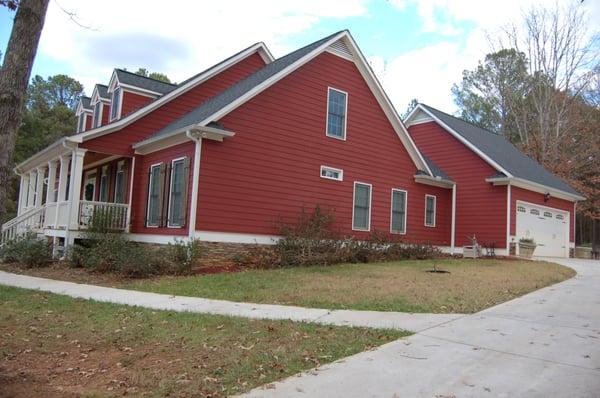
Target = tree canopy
(153,75)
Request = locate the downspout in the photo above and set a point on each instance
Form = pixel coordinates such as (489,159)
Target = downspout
(195,182)
(453,225)
(508,203)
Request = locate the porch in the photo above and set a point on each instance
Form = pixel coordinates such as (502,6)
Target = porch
(69,190)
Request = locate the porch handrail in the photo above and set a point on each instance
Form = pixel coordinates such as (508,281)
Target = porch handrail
(32,219)
(23,216)
(113,216)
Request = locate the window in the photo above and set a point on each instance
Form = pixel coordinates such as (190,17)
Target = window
(81,122)
(547,214)
(115,104)
(559,217)
(337,102)
(97,114)
(120,183)
(430,210)
(521,209)
(104,184)
(535,212)
(332,173)
(361,213)
(178,193)
(154,197)
(398,221)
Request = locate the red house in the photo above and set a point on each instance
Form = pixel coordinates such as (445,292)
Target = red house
(223,155)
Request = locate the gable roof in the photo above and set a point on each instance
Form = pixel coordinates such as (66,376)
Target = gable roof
(182,88)
(85,102)
(227,100)
(143,82)
(230,94)
(505,157)
(101,91)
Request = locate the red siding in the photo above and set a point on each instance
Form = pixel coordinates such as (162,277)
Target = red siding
(140,187)
(89,119)
(480,206)
(538,198)
(105,113)
(270,169)
(120,142)
(132,102)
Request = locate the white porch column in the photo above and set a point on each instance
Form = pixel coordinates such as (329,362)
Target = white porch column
(195,185)
(51,181)
(130,195)
(39,186)
(63,175)
(31,189)
(75,186)
(22,194)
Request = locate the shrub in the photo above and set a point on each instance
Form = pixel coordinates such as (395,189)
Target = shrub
(179,257)
(312,241)
(527,241)
(27,250)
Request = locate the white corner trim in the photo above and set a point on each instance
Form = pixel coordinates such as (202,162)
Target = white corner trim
(508,214)
(463,140)
(453,225)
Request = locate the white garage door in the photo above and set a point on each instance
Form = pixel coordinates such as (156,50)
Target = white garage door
(547,226)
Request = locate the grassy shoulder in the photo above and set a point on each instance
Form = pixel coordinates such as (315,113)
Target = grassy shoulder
(470,285)
(53,345)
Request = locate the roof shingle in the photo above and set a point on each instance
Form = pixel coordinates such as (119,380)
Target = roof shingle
(146,83)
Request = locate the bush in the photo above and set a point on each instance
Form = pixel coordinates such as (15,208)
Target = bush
(312,241)
(27,250)
(179,257)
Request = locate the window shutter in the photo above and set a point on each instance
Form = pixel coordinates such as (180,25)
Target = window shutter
(162,192)
(147,197)
(184,192)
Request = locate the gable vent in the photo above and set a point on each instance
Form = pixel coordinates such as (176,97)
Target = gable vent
(340,48)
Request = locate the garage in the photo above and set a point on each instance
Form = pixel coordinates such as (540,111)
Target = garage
(548,227)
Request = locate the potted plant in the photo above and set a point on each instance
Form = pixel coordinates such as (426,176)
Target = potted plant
(526,247)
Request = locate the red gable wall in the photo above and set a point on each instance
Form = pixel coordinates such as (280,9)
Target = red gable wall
(119,143)
(271,167)
(480,206)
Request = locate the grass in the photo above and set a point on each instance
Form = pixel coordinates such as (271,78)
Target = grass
(56,346)
(471,285)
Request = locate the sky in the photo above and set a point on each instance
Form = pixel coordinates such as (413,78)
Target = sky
(417,48)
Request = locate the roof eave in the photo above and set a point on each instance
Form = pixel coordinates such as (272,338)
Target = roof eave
(174,138)
(536,187)
(434,181)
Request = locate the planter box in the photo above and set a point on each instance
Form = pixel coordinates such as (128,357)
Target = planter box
(526,250)
(469,252)
(583,252)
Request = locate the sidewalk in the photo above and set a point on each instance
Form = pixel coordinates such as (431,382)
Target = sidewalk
(370,319)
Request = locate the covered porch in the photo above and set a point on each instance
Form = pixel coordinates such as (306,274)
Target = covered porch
(64,187)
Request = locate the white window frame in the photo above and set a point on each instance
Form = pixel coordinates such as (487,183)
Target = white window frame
(343,138)
(81,126)
(370,205)
(99,116)
(104,173)
(112,102)
(149,193)
(392,211)
(86,179)
(434,211)
(169,225)
(333,169)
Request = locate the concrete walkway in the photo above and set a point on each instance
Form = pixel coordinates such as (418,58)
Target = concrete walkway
(371,319)
(544,344)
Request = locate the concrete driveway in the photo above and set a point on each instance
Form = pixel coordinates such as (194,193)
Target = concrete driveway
(544,344)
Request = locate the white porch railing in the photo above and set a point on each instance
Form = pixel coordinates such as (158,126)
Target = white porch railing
(112,216)
(32,220)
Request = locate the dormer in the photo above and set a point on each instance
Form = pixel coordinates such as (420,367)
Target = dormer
(129,91)
(84,113)
(100,103)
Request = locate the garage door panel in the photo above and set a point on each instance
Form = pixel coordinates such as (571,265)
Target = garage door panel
(548,227)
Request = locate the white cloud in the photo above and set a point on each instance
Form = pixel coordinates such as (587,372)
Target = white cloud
(206,32)
(428,73)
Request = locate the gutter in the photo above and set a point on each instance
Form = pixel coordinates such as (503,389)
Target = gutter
(527,184)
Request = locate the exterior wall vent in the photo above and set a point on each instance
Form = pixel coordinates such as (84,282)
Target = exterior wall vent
(340,48)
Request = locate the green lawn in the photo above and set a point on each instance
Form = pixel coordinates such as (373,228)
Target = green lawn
(56,346)
(405,286)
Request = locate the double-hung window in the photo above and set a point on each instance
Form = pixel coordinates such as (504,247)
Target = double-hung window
(81,122)
(429,211)
(337,102)
(176,193)
(154,199)
(361,214)
(398,218)
(97,114)
(104,184)
(115,104)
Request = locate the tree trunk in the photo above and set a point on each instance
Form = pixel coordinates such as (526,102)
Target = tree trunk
(14,76)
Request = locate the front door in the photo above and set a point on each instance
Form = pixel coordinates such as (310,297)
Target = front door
(89,188)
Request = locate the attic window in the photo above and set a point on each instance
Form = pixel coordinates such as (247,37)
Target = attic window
(81,122)
(332,173)
(115,107)
(97,114)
